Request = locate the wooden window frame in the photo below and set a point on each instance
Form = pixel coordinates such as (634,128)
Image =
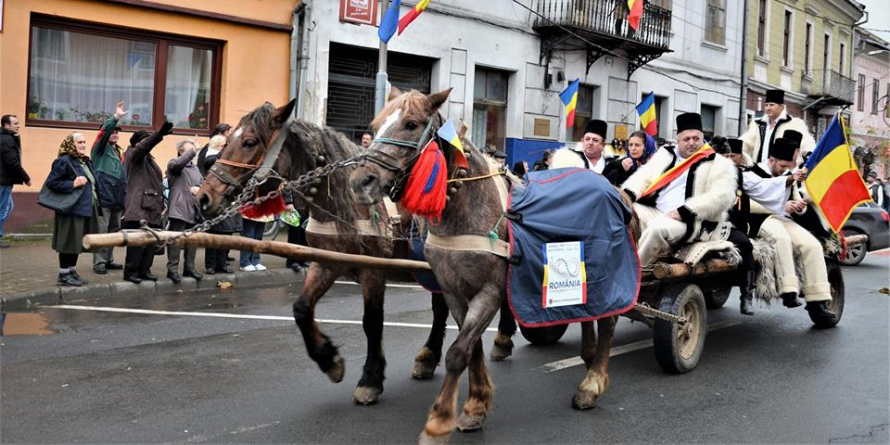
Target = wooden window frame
(788,39)
(162,41)
(860,96)
(808,49)
(842,60)
(762,32)
(710,30)
(875,95)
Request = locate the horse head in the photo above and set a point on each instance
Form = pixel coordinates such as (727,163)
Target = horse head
(242,156)
(408,122)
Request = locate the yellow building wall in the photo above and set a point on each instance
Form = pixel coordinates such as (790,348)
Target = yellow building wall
(255,62)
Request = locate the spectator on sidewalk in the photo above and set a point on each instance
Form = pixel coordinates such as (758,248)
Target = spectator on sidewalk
(145,200)
(215,259)
(108,165)
(11,171)
(221,129)
(295,220)
(366,140)
(182,210)
(71,171)
(253,228)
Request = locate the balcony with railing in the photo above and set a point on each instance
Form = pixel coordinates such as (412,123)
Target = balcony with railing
(831,88)
(601,26)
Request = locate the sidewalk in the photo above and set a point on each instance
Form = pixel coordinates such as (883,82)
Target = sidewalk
(29,269)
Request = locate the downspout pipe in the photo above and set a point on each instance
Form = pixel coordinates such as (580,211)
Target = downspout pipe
(299,55)
(744,80)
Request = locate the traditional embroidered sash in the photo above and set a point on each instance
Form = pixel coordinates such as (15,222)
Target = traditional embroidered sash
(678,170)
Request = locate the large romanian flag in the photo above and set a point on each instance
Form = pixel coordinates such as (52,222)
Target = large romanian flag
(646,110)
(569,98)
(412,14)
(636,11)
(833,179)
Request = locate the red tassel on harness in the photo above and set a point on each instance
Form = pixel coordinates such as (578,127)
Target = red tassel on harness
(425,191)
(267,207)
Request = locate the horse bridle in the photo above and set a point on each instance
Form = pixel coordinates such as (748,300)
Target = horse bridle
(260,171)
(390,163)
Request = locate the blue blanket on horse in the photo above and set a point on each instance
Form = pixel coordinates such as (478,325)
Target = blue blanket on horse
(573,258)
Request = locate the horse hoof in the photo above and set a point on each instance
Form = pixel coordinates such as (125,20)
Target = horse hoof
(338,368)
(584,400)
(426,439)
(470,423)
(424,365)
(503,348)
(365,395)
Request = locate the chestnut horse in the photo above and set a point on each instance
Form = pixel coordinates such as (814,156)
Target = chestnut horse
(306,148)
(473,281)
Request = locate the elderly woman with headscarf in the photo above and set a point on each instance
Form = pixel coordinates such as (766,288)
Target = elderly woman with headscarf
(640,147)
(72,172)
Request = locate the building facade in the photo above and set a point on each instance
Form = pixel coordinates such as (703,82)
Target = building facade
(870,119)
(804,47)
(66,63)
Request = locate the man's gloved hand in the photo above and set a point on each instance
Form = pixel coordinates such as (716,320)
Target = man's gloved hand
(166,129)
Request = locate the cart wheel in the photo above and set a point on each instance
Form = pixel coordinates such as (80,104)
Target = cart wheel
(855,254)
(543,336)
(678,348)
(836,281)
(716,298)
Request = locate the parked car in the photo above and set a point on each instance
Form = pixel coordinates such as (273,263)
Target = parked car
(869,219)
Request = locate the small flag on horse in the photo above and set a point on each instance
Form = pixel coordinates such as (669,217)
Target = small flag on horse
(569,98)
(448,133)
(412,14)
(390,22)
(636,11)
(833,179)
(646,110)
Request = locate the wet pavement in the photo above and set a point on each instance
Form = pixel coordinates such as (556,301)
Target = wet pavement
(229,366)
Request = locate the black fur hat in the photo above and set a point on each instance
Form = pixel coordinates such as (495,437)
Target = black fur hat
(735,145)
(775,96)
(597,127)
(783,149)
(688,121)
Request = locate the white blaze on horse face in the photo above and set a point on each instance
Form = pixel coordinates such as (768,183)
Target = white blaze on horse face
(391,119)
(237,133)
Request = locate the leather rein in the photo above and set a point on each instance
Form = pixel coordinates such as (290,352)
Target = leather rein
(391,163)
(260,171)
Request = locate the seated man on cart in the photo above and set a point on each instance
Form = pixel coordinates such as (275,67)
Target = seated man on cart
(789,236)
(682,195)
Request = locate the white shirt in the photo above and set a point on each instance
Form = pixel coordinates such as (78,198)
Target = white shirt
(673,195)
(777,207)
(771,193)
(599,166)
(764,144)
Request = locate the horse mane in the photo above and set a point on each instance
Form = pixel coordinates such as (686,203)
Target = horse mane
(412,102)
(260,119)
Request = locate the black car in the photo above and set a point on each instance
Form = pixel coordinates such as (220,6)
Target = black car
(869,219)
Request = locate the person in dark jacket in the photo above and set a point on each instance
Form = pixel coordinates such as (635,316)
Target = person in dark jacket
(11,171)
(72,172)
(182,210)
(215,259)
(544,162)
(296,233)
(108,166)
(145,199)
(640,147)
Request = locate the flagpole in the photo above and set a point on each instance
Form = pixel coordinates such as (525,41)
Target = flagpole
(380,89)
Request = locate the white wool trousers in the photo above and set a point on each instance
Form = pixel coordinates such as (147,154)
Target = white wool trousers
(788,237)
(659,234)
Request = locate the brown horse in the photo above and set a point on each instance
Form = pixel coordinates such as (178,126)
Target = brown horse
(339,225)
(473,281)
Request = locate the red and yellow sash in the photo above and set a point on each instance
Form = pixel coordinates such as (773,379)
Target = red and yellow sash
(678,170)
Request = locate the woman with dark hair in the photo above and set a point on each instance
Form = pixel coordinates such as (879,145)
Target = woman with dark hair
(520,168)
(223,129)
(640,147)
(71,171)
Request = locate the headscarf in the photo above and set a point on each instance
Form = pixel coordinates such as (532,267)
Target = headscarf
(648,151)
(68,148)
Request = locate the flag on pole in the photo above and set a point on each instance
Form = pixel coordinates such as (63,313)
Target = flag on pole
(833,179)
(449,134)
(390,22)
(412,14)
(569,98)
(646,110)
(636,11)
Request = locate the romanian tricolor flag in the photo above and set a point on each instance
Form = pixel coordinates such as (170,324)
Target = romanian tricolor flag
(636,11)
(412,14)
(678,170)
(833,179)
(449,134)
(646,110)
(569,98)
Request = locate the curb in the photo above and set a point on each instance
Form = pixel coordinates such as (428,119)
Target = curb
(56,294)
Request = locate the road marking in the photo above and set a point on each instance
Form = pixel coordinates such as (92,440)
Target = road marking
(404,286)
(618,350)
(236,316)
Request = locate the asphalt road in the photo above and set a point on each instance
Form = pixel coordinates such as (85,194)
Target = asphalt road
(81,375)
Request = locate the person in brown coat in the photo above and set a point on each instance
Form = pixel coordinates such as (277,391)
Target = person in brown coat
(145,199)
(182,210)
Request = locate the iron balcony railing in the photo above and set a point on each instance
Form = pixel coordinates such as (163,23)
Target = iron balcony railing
(830,83)
(608,17)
